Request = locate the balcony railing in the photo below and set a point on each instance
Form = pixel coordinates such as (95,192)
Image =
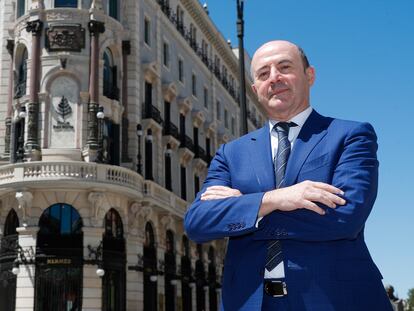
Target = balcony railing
(200,153)
(171,129)
(187,142)
(151,112)
(78,174)
(192,42)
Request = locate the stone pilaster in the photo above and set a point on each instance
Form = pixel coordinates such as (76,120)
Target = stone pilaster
(32,144)
(8,120)
(126,50)
(92,283)
(25,286)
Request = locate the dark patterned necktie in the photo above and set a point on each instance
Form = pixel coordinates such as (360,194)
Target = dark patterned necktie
(274,248)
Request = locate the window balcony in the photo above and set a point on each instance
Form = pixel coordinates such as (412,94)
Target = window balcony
(151,112)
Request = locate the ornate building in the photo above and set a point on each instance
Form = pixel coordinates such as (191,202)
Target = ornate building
(111,111)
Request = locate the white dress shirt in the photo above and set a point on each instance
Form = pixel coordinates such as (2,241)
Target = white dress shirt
(279,272)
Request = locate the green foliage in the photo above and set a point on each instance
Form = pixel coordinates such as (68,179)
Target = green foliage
(410,299)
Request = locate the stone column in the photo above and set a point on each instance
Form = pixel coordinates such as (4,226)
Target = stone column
(32,144)
(126,50)
(8,121)
(95,28)
(92,283)
(25,286)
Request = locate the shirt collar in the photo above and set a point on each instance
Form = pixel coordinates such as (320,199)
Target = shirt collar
(299,119)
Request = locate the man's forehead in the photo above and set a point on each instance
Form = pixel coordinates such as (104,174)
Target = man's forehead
(275,51)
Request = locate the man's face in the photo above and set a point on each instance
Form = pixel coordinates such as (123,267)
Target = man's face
(280,80)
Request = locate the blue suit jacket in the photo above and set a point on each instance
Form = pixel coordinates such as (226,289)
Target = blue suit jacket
(327,264)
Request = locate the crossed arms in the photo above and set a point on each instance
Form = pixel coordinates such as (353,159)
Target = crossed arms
(307,211)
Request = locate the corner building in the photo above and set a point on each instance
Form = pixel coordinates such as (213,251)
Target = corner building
(110,113)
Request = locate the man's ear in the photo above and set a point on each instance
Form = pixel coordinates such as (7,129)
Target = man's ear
(254,89)
(310,75)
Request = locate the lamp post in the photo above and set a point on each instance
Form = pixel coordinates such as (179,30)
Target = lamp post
(100,115)
(139,156)
(20,143)
(240,35)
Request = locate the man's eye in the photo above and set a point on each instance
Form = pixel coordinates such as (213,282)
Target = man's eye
(263,75)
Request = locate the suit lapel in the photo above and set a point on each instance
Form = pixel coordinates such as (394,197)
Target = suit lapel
(261,158)
(310,135)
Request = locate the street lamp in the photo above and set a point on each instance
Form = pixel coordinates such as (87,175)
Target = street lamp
(20,142)
(100,115)
(139,157)
(240,35)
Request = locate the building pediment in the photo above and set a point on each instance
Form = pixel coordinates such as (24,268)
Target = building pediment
(169,91)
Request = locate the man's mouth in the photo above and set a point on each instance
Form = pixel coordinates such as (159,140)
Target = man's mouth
(278,92)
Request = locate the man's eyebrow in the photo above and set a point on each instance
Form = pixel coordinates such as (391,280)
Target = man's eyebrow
(283,61)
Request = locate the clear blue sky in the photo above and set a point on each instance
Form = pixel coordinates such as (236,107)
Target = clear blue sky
(363,52)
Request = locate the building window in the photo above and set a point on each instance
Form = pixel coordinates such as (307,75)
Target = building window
(226,119)
(20,86)
(21,7)
(194,84)
(147,31)
(205,97)
(110,88)
(218,110)
(113,8)
(166,54)
(180,70)
(66,3)
(233,125)
(196,185)
(150,269)
(183,183)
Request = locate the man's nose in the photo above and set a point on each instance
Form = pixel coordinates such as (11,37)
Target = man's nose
(274,74)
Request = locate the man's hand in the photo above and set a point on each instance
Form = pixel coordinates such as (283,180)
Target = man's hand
(219,192)
(303,195)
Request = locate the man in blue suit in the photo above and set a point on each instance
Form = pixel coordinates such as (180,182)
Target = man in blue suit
(293,198)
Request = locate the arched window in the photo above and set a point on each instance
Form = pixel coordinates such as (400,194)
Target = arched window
(20,84)
(110,88)
(150,270)
(66,3)
(114,258)
(186,276)
(170,271)
(58,281)
(200,279)
(21,8)
(7,256)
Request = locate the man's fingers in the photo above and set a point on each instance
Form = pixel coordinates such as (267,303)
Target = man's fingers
(327,187)
(313,207)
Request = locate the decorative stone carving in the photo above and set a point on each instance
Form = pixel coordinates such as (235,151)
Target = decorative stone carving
(24,199)
(167,221)
(151,71)
(97,199)
(35,27)
(185,105)
(53,15)
(169,91)
(65,38)
(198,118)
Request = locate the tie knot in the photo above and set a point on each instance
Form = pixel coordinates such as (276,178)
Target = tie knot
(284,126)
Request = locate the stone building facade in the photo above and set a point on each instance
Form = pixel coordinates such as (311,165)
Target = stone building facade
(111,111)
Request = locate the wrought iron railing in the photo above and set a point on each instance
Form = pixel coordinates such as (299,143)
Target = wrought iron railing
(171,129)
(187,142)
(151,112)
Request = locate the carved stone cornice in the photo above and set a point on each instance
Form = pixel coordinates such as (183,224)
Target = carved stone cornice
(151,71)
(96,27)
(97,200)
(211,128)
(199,165)
(126,47)
(35,27)
(169,90)
(198,118)
(186,155)
(184,105)
(10,46)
